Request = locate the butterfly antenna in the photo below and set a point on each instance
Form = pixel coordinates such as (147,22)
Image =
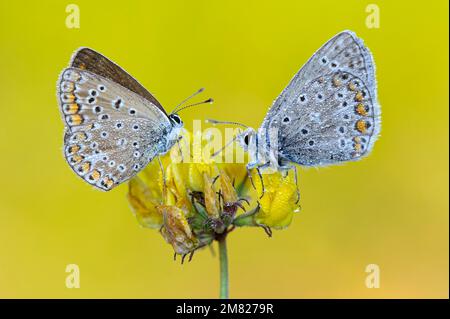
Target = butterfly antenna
(210,100)
(223,148)
(214,122)
(187,99)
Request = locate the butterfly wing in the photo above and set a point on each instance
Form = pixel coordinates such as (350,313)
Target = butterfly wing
(329,112)
(111,132)
(92,61)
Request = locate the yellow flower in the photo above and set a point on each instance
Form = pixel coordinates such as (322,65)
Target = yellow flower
(143,200)
(279,201)
(194,203)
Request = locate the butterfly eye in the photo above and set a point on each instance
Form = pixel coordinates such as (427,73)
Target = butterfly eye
(176,119)
(246,139)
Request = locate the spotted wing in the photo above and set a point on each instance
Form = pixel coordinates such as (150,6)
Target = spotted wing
(329,112)
(111,132)
(92,61)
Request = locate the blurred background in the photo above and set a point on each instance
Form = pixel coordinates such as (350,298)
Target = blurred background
(390,209)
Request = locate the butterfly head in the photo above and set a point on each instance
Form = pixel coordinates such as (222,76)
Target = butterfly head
(247,139)
(175,131)
(175,120)
(254,144)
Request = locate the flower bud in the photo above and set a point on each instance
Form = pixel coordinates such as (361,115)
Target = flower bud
(228,192)
(210,197)
(176,230)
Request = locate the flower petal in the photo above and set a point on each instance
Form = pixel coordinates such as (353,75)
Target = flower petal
(278,204)
(228,191)
(210,197)
(143,203)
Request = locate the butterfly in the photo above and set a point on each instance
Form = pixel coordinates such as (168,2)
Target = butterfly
(113,126)
(328,113)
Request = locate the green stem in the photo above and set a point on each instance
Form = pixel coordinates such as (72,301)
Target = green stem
(223,266)
(247,218)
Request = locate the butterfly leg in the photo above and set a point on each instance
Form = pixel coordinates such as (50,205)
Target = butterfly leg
(183,144)
(294,168)
(180,150)
(249,175)
(258,170)
(286,170)
(163,175)
(262,182)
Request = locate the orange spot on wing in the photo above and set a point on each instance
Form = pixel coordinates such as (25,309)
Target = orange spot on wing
(86,166)
(95,175)
(73,149)
(359,96)
(361,109)
(76,159)
(75,119)
(109,182)
(69,97)
(71,108)
(336,81)
(361,126)
(80,137)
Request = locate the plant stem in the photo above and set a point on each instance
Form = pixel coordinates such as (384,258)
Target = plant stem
(246,219)
(223,266)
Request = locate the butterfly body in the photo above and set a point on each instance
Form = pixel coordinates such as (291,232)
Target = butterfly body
(113,126)
(328,113)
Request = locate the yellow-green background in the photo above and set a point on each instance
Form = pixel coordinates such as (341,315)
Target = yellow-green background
(390,209)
